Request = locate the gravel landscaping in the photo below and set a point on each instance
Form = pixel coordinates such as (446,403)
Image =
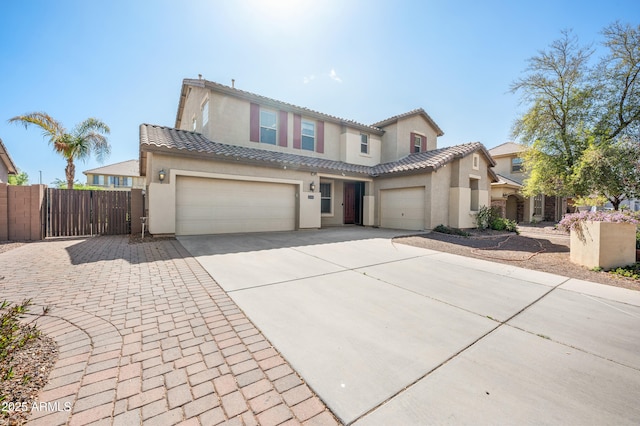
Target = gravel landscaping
(542,248)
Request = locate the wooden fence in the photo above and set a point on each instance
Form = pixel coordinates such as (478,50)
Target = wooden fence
(77,213)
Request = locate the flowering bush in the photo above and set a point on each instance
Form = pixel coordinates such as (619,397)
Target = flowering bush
(575,220)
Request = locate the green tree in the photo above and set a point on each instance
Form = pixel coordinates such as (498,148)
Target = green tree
(21,178)
(87,138)
(574,107)
(612,170)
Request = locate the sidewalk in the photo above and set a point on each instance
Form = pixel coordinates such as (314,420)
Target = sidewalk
(146,336)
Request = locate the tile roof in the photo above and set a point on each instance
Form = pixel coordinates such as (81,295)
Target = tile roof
(503,180)
(123,168)
(159,138)
(418,111)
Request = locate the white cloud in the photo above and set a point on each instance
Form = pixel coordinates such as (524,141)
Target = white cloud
(334,76)
(309,78)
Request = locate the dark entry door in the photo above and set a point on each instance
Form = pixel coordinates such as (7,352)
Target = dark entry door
(349,203)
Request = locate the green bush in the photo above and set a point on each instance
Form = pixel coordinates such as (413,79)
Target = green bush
(638,239)
(490,218)
(453,231)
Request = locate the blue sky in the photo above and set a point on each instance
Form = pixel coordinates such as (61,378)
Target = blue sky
(123,61)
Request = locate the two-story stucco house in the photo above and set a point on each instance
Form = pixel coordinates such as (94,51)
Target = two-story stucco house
(124,176)
(506,193)
(240,162)
(7,167)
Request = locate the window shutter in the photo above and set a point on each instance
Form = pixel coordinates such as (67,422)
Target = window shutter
(297,131)
(282,128)
(411,139)
(320,137)
(423,148)
(254,123)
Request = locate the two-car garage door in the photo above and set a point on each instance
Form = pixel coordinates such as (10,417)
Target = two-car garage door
(217,206)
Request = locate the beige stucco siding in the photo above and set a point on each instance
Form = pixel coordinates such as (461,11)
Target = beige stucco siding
(396,142)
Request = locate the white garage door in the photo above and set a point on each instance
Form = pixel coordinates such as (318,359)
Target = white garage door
(402,208)
(219,206)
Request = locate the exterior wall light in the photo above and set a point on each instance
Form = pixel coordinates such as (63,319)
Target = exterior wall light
(312,186)
(161,175)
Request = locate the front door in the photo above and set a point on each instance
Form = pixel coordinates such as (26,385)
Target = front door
(349,203)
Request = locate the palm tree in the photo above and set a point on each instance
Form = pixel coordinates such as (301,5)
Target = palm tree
(88,137)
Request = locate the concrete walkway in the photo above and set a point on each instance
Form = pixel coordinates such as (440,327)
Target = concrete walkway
(391,334)
(146,336)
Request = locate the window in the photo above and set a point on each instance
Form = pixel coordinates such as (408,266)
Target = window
(516,165)
(113,180)
(205,112)
(364,144)
(98,180)
(476,162)
(193,124)
(417,143)
(474,184)
(268,123)
(537,205)
(325,198)
(127,181)
(308,135)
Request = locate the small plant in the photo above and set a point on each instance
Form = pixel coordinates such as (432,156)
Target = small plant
(638,239)
(452,231)
(630,271)
(14,334)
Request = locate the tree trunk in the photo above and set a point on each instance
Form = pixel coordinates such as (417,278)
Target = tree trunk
(70,172)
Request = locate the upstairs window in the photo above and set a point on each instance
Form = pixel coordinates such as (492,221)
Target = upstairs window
(205,112)
(476,162)
(417,143)
(364,144)
(194,124)
(268,127)
(308,135)
(516,165)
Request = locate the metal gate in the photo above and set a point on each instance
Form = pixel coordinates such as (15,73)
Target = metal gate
(73,212)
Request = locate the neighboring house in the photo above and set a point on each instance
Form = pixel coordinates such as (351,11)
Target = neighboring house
(506,193)
(6,164)
(123,176)
(241,162)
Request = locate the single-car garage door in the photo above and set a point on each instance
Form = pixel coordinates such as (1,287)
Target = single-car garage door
(402,208)
(219,206)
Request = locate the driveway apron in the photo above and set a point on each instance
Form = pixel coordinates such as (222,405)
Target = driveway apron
(386,333)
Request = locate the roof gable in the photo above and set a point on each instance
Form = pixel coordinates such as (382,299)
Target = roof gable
(421,112)
(6,160)
(507,148)
(123,168)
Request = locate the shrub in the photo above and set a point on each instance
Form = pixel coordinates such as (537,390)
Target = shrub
(489,217)
(574,220)
(13,334)
(453,231)
(638,238)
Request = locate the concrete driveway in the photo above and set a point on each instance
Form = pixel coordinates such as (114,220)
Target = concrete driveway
(391,334)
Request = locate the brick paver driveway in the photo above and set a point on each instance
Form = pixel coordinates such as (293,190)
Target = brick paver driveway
(146,335)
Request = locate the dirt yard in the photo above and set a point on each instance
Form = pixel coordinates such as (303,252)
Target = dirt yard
(541,248)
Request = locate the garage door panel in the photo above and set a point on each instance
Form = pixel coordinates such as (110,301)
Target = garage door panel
(213,206)
(402,208)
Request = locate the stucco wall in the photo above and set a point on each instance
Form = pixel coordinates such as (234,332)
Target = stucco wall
(396,142)
(3,173)
(350,151)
